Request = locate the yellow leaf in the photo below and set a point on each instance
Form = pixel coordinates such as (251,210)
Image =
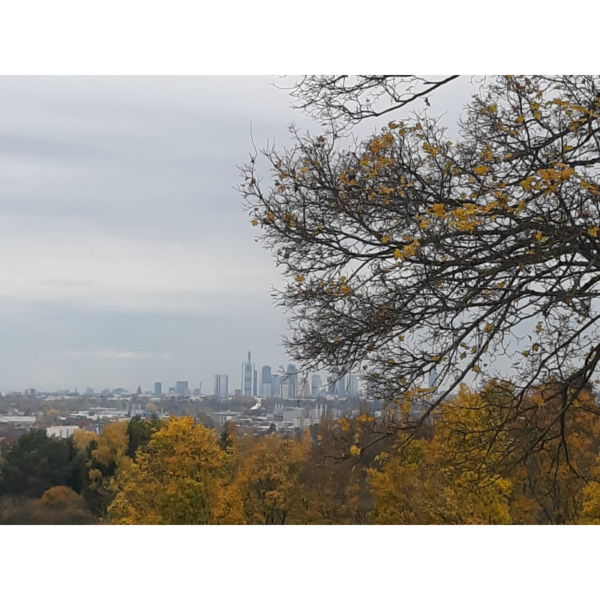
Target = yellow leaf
(476,368)
(439,210)
(254,223)
(520,119)
(299,278)
(355,450)
(593,231)
(385,239)
(481,170)
(398,254)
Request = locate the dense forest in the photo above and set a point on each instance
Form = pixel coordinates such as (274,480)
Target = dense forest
(354,471)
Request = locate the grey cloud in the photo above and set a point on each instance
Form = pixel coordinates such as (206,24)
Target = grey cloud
(121,235)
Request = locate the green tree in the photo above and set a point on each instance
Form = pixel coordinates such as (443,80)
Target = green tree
(139,433)
(36,462)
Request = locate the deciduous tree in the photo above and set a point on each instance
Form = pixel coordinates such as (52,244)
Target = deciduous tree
(177,479)
(411,251)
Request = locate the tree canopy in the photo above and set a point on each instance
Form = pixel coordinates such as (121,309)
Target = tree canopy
(410,251)
(35,463)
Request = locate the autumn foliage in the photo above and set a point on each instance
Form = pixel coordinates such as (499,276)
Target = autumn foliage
(354,471)
(474,254)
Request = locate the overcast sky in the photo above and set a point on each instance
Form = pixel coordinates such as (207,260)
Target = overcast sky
(125,255)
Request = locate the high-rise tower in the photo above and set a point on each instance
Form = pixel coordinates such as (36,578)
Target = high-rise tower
(248,376)
(221,386)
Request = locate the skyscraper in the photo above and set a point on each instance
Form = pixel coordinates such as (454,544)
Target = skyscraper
(247,376)
(303,387)
(255,383)
(341,387)
(292,381)
(275,386)
(265,381)
(352,386)
(158,388)
(331,385)
(315,388)
(221,386)
(432,380)
(181,388)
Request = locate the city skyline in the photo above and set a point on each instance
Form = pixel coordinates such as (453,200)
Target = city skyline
(125,253)
(268,382)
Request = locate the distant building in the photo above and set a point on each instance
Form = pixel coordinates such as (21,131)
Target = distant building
(315,388)
(303,387)
(317,413)
(289,414)
(221,417)
(432,379)
(255,384)
(181,388)
(237,392)
(248,372)
(340,387)
(331,385)
(266,381)
(61,431)
(275,386)
(221,386)
(89,390)
(158,389)
(18,420)
(352,386)
(292,381)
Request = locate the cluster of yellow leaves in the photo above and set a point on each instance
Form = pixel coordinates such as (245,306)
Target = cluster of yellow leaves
(453,479)
(109,454)
(177,479)
(267,486)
